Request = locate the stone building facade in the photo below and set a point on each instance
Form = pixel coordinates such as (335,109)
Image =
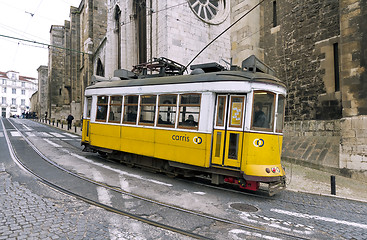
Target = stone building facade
(245,35)
(319,49)
(42,95)
(139,30)
(71,59)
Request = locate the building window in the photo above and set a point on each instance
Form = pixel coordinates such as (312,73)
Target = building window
(14,91)
(14,101)
(147,110)
(210,11)
(4,90)
(23,92)
(130,109)
(336,67)
(22,102)
(100,68)
(102,104)
(141,18)
(118,34)
(115,109)
(167,108)
(4,81)
(23,84)
(189,110)
(3,100)
(275,14)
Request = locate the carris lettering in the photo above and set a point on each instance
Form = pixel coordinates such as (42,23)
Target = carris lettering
(181,138)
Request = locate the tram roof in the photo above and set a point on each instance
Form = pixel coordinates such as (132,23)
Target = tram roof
(222,76)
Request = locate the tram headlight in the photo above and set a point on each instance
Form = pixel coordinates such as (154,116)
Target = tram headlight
(267,170)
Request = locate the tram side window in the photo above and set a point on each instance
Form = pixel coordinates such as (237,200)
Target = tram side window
(115,109)
(167,107)
(280,113)
(189,110)
(89,106)
(147,110)
(102,104)
(221,109)
(263,111)
(130,109)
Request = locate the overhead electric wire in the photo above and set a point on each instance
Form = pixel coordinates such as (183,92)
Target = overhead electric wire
(19,32)
(45,44)
(73,50)
(28,12)
(230,26)
(151,11)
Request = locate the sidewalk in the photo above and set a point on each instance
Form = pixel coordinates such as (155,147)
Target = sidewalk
(304,179)
(75,130)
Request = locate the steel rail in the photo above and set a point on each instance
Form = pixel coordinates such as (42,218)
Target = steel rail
(90,201)
(207,216)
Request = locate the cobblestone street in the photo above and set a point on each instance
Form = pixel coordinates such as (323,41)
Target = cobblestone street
(27,215)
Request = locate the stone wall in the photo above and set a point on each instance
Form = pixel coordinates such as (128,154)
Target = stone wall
(71,68)
(173,31)
(310,45)
(245,35)
(353,57)
(312,143)
(42,91)
(353,146)
(75,56)
(337,146)
(290,48)
(56,66)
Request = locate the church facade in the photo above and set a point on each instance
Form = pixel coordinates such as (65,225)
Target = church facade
(318,48)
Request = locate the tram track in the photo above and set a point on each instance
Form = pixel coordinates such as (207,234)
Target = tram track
(190,213)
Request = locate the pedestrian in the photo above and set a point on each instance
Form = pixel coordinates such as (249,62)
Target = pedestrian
(70,119)
(81,125)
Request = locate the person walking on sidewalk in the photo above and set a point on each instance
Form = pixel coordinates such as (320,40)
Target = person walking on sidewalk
(70,120)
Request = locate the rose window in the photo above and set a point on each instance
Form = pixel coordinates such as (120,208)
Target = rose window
(210,11)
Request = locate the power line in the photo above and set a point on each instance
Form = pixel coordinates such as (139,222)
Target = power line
(19,32)
(230,26)
(151,11)
(29,12)
(44,44)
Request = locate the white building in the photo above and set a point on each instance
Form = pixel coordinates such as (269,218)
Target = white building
(139,30)
(15,93)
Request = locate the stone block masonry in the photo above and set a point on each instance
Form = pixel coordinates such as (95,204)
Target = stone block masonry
(353,146)
(290,48)
(313,143)
(337,146)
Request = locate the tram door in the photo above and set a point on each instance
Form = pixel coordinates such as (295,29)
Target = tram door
(228,131)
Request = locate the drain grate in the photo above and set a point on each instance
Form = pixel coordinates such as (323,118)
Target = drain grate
(244,207)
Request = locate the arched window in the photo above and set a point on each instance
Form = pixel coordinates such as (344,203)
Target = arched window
(141,28)
(100,68)
(118,34)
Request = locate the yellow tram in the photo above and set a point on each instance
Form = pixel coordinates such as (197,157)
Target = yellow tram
(226,124)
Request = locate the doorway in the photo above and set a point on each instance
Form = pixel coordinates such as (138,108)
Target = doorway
(228,130)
